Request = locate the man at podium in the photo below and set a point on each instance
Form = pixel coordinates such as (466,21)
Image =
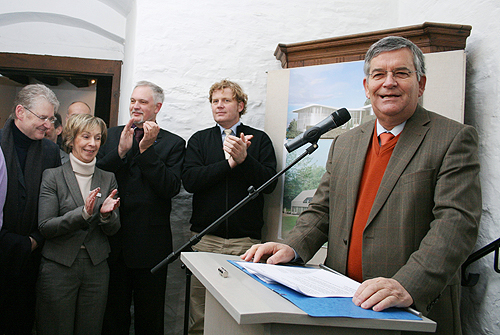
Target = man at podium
(400,202)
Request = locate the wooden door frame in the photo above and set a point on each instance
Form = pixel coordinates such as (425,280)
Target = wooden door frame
(70,65)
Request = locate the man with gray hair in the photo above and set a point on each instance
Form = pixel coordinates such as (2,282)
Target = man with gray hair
(400,201)
(27,154)
(147,162)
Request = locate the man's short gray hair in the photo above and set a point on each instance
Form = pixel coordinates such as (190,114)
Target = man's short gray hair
(391,43)
(29,95)
(158,95)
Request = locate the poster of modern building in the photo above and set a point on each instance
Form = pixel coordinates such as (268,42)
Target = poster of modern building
(315,93)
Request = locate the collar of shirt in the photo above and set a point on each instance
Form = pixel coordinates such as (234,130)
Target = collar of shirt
(233,129)
(395,131)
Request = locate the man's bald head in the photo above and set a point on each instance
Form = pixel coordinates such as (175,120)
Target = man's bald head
(78,107)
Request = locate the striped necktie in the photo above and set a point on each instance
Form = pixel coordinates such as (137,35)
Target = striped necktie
(227,132)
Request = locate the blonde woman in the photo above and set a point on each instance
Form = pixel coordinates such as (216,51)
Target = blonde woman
(77,210)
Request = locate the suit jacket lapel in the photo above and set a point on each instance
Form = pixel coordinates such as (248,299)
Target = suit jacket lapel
(409,141)
(20,174)
(74,188)
(217,138)
(158,138)
(96,182)
(359,148)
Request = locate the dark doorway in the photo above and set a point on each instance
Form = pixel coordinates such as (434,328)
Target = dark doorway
(78,71)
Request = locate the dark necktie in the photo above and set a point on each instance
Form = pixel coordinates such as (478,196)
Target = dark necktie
(139,133)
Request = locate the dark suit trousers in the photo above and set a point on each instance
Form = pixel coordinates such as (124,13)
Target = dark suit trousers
(17,299)
(148,294)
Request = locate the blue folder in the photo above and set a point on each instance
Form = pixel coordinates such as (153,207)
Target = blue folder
(332,307)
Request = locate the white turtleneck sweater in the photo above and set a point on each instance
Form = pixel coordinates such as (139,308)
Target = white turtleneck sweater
(83,173)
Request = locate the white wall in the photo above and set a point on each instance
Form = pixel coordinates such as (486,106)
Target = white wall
(78,28)
(185,46)
(192,44)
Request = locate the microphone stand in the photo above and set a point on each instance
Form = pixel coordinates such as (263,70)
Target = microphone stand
(252,194)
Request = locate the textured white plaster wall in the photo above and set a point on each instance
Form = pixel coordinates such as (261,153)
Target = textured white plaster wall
(186,46)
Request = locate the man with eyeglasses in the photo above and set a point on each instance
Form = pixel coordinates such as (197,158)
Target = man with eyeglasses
(27,154)
(400,211)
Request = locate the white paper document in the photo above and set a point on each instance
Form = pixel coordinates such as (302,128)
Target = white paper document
(313,282)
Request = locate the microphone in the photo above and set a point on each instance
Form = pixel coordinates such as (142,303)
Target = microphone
(312,135)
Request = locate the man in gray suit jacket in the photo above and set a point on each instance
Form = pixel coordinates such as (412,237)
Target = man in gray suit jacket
(404,225)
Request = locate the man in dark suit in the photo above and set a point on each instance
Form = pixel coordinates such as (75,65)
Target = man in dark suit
(401,214)
(147,162)
(54,134)
(27,154)
(218,170)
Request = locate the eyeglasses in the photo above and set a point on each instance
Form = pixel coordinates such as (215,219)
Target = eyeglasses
(51,119)
(396,74)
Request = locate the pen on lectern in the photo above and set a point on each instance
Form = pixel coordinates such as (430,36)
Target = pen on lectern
(414,312)
(223,272)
